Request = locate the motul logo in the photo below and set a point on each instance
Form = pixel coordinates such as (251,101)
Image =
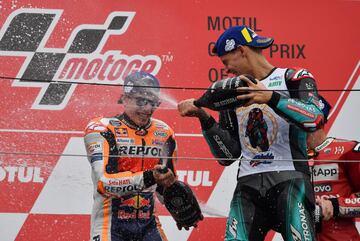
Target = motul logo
(21,174)
(26,32)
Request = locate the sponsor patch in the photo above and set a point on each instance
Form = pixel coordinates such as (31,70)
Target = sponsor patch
(96,157)
(149,151)
(157,142)
(310,86)
(233,227)
(161,125)
(115,123)
(326,172)
(301,111)
(275,84)
(125,140)
(121,189)
(262,159)
(322,188)
(94,147)
(160,134)
(352,200)
(222,146)
(121,132)
(275,78)
(339,149)
(230,45)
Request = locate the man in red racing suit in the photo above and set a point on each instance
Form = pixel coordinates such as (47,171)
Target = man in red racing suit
(336,175)
(124,186)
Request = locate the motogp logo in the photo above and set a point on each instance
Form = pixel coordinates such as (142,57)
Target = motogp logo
(26,32)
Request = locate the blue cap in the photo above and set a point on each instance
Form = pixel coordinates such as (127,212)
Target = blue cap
(239,35)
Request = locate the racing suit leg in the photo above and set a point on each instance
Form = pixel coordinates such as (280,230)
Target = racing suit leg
(247,219)
(154,231)
(295,222)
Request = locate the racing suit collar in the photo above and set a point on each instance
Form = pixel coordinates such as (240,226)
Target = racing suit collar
(127,121)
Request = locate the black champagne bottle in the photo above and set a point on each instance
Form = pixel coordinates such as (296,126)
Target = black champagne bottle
(181,202)
(222,94)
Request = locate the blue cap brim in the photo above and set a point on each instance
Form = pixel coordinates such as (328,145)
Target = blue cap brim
(260,42)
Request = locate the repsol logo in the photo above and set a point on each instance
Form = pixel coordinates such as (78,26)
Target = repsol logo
(121,189)
(21,174)
(326,172)
(322,188)
(140,150)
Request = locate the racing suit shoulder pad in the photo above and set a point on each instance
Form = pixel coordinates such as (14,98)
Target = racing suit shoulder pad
(297,73)
(100,124)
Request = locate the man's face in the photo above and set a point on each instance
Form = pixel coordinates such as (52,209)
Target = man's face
(235,62)
(140,107)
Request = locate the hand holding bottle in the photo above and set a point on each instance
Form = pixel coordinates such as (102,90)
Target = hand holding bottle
(163,176)
(179,199)
(187,108)
(254,92)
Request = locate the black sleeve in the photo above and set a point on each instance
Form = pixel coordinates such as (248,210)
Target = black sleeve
(222,137)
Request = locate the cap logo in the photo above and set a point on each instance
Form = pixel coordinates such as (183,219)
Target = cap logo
(128,87)
(230,45)
(246,35)
(263,40)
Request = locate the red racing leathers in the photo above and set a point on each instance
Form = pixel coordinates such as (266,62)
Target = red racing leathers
(338,180)
(124,186)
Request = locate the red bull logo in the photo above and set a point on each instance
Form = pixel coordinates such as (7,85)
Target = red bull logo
(136,202)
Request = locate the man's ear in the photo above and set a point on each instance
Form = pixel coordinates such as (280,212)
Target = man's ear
(241,50)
